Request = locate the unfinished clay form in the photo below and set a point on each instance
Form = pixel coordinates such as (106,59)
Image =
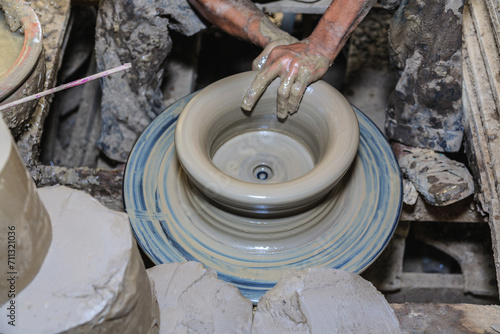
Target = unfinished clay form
(253,163)
(25,226)
(26,75)
(191,297)
(324,300)
(93,279)
(174,221)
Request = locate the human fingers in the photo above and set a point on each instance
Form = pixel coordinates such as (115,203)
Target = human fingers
(310,71)
(258,86)
(297,92)
(261,59)
(259,62)
(284,94)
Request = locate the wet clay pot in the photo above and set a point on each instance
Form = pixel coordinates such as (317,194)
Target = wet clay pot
(253,197)
(254,164)
(26,76)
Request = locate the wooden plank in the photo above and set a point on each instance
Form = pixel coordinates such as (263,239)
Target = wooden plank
(53,16)
(494,12)
(464,211)
(481,93)
(447,318)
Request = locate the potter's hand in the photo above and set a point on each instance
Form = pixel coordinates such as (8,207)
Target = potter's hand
(298,65)
(261,60)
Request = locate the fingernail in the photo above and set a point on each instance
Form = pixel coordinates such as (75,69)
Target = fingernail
(282,115)
(245,105)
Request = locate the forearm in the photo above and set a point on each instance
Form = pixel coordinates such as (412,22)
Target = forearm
(240,18)
(336,25)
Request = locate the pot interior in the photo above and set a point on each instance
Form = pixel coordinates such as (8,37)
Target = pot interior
(257,147)
(252,162)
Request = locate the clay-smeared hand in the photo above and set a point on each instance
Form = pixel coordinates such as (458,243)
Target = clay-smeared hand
(261,59)
(297,66)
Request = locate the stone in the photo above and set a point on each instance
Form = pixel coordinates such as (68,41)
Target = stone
(425,109)
(93,279)
(193,300)
(138,32)
(410,193)
(324,300)
(389,4)
(104,184)
(440,180)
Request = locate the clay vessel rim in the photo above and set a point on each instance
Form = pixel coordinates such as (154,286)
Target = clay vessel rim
(153,209)
(29,54)
(277,194)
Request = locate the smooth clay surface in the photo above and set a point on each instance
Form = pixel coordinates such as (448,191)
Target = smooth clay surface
(93,279)
(193,300)
(23,220)
(325,131)
(174,222)
(263,157)
(322,300)
(10,45)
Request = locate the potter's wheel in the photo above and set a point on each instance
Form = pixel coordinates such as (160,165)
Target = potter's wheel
(174,222)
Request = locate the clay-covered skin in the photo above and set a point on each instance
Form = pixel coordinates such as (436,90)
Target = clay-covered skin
(277,36)
(297,63)
(297,66)
(241,18)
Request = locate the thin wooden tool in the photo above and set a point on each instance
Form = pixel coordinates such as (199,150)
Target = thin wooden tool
(65,86)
